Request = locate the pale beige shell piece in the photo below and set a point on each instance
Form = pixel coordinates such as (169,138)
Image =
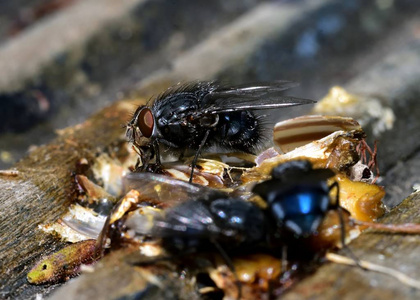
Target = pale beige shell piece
(291,134)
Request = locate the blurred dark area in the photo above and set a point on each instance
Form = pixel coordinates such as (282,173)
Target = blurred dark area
(22,109)
(333,44)
(328,43)
(20,14)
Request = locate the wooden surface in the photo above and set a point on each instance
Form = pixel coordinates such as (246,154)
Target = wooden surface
(42,192)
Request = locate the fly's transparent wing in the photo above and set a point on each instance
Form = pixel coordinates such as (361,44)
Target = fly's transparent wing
(192,219)
(156,189)
(257,96)
(165,190)
(257,88)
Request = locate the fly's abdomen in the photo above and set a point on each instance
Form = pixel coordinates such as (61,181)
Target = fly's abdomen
(240,131)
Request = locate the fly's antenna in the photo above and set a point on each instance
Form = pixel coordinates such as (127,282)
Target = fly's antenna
(230,265)
(339,210)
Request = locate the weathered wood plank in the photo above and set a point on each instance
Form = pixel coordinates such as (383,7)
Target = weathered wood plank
(41,193)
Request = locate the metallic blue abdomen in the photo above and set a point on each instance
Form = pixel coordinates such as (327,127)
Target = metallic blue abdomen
(301,209)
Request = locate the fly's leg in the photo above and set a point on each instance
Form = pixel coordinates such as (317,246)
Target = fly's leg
(181,156)
(157,153)
(230,265)
(339,210)
(194,162)
(146,154)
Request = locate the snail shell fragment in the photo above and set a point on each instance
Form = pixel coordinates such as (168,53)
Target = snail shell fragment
(291,134)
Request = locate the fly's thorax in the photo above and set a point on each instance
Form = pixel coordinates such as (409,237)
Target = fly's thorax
(301,208)
(175,126)
(239,219)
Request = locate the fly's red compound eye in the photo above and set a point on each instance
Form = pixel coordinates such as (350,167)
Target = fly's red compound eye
(145,122)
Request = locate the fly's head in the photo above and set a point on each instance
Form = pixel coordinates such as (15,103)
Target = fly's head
(141,127)
(140,133)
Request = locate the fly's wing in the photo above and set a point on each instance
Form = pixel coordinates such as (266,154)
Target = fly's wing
(192,219)
(153,189)
(165,190)
(257,96)
(226,220)
(264,86)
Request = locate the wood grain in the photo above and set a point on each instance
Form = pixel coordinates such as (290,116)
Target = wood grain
(42,192)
